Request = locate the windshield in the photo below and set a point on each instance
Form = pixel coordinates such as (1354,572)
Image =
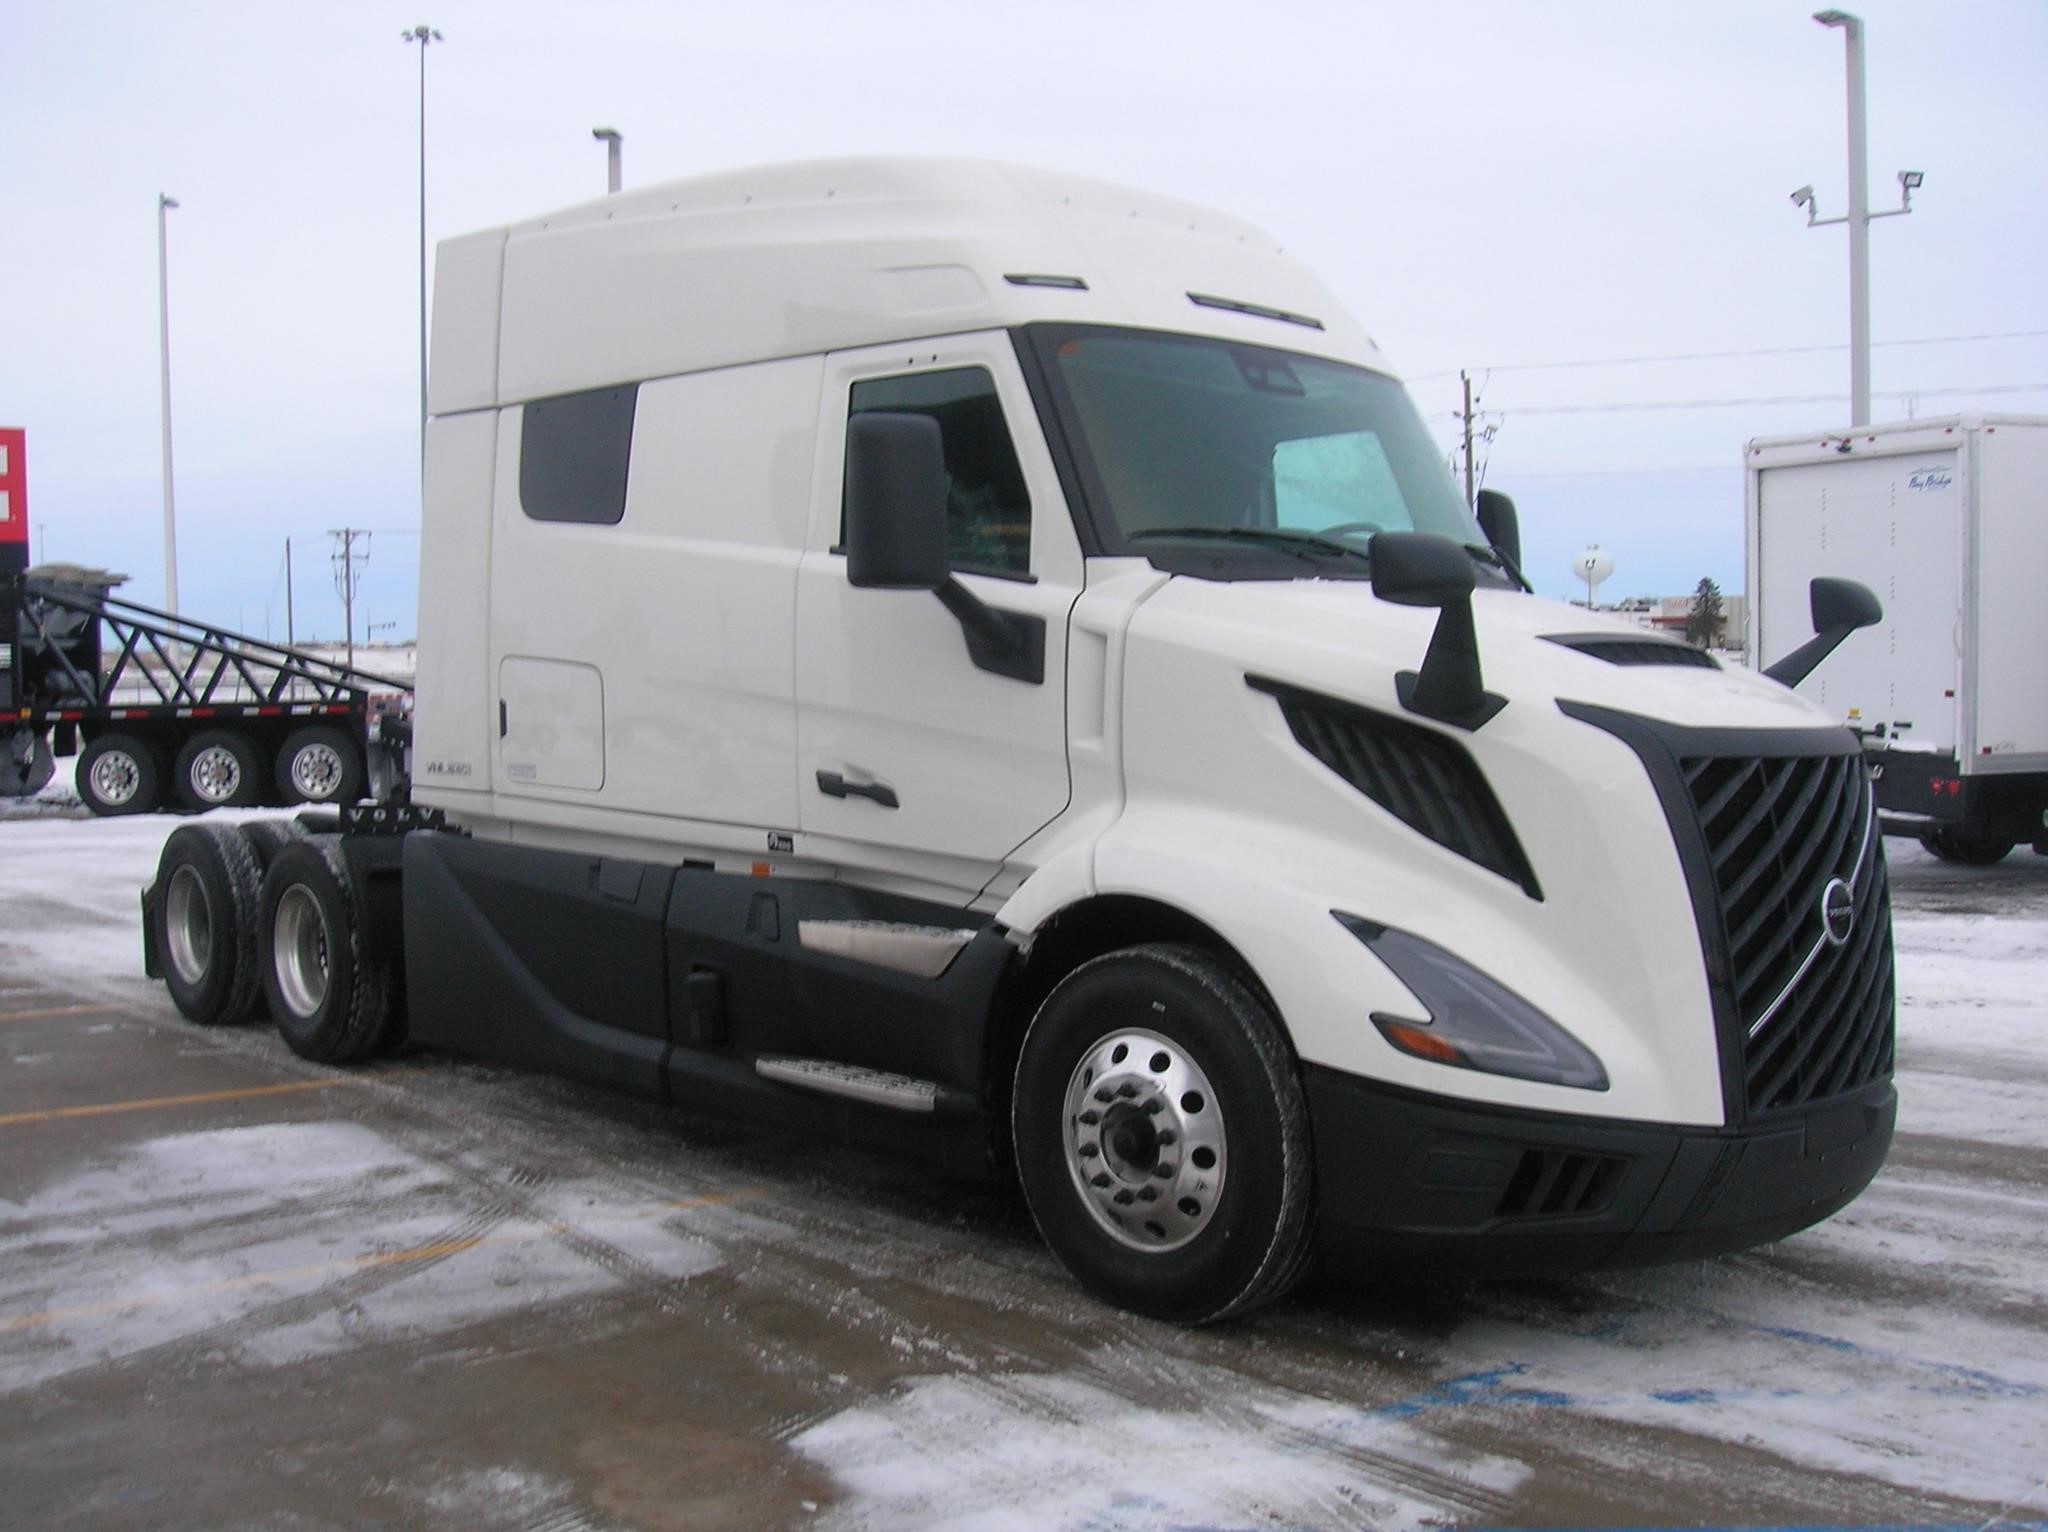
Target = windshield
(1185,437)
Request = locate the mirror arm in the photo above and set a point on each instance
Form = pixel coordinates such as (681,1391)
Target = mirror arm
(1449,687)
(1803,661)
(1004,643)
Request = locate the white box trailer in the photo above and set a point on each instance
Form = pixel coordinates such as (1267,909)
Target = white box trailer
(981,660)
(1947,520)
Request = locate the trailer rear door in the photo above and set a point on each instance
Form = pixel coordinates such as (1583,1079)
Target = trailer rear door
(1894,522)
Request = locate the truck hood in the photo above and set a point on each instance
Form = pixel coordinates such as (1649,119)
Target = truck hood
(1336,637)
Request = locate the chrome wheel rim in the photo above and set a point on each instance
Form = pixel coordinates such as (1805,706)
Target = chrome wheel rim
(188,925)
(1144,1140)
(216,774)
(116,778)
(298,949)
(316,771)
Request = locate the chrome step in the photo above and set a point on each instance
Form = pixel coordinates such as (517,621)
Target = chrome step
(877,1087)
(924,952)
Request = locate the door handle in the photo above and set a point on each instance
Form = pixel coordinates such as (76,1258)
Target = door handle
(833,785)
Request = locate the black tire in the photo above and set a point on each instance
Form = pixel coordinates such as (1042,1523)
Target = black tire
(1966,849)
(120,774)
(267,837)
(332,1002)
(204,912)
(1210,1216)
(26,764)
(219,769)
(320,764)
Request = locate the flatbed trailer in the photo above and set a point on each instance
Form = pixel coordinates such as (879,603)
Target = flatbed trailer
(161,710)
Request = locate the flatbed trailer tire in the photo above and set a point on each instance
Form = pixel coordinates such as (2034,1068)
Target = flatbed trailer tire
(319,765)
(219,768)
(121,774)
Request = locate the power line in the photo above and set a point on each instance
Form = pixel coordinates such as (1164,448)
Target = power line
(1714,404)
(1720,356)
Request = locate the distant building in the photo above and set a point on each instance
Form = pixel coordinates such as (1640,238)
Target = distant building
(1668,614)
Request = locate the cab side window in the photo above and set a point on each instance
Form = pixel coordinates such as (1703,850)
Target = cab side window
(988,511)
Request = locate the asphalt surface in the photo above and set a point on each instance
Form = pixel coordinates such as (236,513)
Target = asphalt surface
(238,1290)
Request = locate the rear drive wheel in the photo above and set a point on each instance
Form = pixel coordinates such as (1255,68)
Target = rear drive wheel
(219,769)
(1162,1137)
(319,765)
(267,837)
(1965,848)
(204,910)
(332,1001)
(120,774)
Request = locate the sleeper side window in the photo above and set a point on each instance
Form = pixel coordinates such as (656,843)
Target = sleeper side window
(574,451)
(988,510)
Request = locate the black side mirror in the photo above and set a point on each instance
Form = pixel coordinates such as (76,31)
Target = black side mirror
(896,537)
(1502,527)
(895,502)
(1839,608)
(1428,569)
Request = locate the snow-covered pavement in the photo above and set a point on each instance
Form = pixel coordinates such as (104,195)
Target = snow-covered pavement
(438,1292)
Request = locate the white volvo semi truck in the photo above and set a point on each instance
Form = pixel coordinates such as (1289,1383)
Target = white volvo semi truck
(984,662)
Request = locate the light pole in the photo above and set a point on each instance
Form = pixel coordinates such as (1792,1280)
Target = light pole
(423,35)
(163,294)
(612,139)
(1857,218)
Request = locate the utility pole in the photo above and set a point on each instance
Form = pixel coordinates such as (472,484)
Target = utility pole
(1471,494)
(164,205)
(611,138)
(346,568)
(1858,218)
(290,638)
(423,35)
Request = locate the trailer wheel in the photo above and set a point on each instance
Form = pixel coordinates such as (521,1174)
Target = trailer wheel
(331,1000)
(219,769)
(1162,1137)
(120,774)
(1966,849)
(205,914)
(319,765)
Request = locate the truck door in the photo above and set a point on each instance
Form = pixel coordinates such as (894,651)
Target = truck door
(911,759)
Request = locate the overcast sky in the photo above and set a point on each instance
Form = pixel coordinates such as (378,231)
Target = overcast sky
(1488,185)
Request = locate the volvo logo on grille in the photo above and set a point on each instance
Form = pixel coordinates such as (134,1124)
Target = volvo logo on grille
(1837,911)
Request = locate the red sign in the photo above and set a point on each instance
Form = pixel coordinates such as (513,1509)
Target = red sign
(13,486)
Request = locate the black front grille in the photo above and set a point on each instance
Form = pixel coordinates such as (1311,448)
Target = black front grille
(1425,779)
(1635,651)
(1815,1013)
(1765,822)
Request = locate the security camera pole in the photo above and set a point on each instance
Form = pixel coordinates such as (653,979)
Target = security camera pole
(1857,218)
(611,138)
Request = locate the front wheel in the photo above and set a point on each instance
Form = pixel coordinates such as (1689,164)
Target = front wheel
(1966,849)
(1162,1138)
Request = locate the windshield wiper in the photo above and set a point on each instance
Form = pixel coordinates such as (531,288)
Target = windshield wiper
(1507,566)
(1309,544)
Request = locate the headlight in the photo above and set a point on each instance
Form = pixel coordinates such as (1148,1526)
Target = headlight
(1474,1022)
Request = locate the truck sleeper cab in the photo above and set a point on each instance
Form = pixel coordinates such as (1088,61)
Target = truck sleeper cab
(981,661)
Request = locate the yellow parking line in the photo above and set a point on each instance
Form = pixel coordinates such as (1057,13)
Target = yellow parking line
(105,1108)
(61,1010)
(439,1250)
